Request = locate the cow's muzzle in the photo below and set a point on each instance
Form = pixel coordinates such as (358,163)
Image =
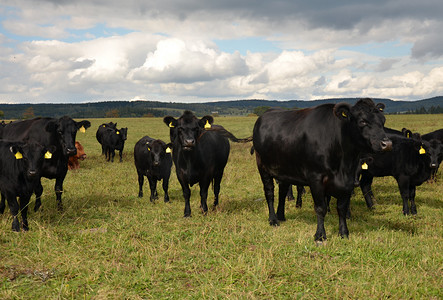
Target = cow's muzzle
(386,144)
(32,173)
(71,151)
(188,144)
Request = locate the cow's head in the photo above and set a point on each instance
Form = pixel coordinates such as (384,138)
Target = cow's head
(366,122)
(66,131)
(158,150)
(32,156)
(187,129)
(80,151)
(123,133)
(433,151)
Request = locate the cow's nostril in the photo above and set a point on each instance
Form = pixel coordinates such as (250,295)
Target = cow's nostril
(386,145)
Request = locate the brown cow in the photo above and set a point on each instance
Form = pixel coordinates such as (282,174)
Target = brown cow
(73,163)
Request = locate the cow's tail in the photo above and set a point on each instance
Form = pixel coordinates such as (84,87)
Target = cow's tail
(227,134)
(252,150)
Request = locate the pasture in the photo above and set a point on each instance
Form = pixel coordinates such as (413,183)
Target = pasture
(110,244)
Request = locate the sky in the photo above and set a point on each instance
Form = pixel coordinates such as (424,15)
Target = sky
(77,51)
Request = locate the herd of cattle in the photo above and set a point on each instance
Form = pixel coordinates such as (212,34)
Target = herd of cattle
(331,148)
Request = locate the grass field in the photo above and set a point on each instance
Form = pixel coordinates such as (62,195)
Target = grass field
(110,244)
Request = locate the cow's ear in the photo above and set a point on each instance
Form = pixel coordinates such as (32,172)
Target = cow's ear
(407,133)
(206,122)
(17,151)
(171,122)
(51,148)
(168,148)
(52,126)
(380,106)
(83,125)
(343,111)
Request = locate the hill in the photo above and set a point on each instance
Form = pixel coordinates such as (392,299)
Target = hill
(159,109)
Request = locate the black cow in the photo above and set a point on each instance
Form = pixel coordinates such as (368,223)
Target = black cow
(436,135)
(60,133)
(20,167)
(318,147)
(153,159)
(114,139)
(410,163)
(199,155)
(101,129)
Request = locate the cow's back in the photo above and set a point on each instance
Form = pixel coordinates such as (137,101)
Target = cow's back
(34,129)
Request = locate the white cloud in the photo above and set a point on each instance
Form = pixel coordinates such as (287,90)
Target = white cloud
(69,50)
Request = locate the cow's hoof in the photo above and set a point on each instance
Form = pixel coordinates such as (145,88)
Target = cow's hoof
(274,223)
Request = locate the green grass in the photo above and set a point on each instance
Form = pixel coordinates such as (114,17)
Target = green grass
(109,244)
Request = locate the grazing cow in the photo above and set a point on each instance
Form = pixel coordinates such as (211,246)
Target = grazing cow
(436,135)
(153,159)
(199,155)
(410,163)
(101,129)
(49,131)
(20,167)
(73,163)
(318,147)
(114,139)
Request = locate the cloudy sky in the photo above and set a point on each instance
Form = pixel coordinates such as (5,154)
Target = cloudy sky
(210,50)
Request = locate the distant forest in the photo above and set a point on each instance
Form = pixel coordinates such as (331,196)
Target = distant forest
(136,109)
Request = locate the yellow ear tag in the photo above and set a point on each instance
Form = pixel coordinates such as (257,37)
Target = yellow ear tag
(207,125)
(48,155)
(18,155)
(170,125)
(408,135)
(364,166)
(117,132)
(82,129)
(168,150)
(104,126)
(149,149)
(422,150)
(344,114)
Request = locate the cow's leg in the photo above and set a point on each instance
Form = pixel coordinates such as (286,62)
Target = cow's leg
(38,190)
(186,194)
(403,185)
(290,194)
(112,154)
(282,193)
(141,180)
(153,187)
(328,202)
(268,187)
(365,186)
(24,202)
(300,191)
(165,185)
(412,199)
(343,209)
(108,154)
(59,188)
(217,181)
(2,203)
(204,186)
(321,209)
(14,208)
(121,155)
